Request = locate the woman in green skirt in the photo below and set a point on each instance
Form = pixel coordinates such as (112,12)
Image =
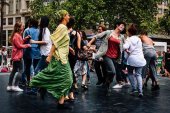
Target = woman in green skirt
(57,77)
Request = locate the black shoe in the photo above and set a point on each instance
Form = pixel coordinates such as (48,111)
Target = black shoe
(42,92)
(92,70)
(108,89)
(145,85)
(84,87)
(140,95)
(63,106)
(31,92)
(133,92)
(76,91)
(156,87)
(99,83)
(70,100)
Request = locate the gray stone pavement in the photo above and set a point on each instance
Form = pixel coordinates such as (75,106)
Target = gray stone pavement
(92,101)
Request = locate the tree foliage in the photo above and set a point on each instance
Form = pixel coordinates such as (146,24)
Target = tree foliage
(88,12)
(141,12)
(40,9)
(164,23)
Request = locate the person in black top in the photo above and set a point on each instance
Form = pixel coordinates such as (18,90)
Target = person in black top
(75,41)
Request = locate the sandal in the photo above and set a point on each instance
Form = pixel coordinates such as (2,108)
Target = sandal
(84,87)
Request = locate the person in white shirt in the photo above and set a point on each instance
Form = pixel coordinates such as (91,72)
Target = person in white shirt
(135,59)
(45,45)
(44,42)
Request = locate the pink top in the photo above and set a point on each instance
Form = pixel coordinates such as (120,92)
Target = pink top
(113,48)
(18,45)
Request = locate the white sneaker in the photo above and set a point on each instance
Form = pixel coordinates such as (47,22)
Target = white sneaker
(16,88)
(127,84)
(117,86)
(9,88)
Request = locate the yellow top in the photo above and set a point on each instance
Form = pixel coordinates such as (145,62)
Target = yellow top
(60,39)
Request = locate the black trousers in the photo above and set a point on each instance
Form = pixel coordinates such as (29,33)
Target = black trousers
(17,67)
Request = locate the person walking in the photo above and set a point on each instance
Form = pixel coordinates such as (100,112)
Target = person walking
(111,50)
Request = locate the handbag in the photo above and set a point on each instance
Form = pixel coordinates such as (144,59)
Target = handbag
(84,55)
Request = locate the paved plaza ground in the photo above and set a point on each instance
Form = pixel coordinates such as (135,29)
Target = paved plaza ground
(92,101)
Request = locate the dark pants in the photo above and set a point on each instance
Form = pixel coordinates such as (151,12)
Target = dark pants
(150,56)
(88,70)
(120,76)
(17,67)
(112,69)
(72,61)
(27,63)
(100,70)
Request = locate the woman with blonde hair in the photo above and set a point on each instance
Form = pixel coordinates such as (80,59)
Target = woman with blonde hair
(17,55)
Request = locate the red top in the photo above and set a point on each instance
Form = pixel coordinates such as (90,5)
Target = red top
(113,48)
(17,48)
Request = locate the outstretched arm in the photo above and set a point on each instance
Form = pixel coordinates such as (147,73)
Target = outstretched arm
(37,42)
(100,35)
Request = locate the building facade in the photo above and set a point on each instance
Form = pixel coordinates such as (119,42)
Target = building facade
(162,8)
(18,10)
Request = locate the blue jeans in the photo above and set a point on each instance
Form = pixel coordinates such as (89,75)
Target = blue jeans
(135,77)
(41,64)
(150,57)
(113,68)
(110,68)
(100,70)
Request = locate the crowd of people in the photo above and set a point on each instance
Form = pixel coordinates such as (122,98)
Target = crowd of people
(56,58)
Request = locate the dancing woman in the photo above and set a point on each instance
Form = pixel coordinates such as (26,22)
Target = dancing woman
(57,77)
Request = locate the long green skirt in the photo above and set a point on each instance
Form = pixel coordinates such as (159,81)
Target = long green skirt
(56,78)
